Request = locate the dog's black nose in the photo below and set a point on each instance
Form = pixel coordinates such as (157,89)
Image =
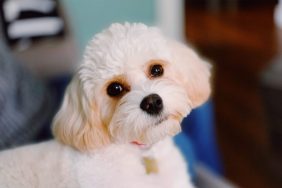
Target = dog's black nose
(152,104)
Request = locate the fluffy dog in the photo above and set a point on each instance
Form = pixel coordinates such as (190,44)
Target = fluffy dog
(117,118)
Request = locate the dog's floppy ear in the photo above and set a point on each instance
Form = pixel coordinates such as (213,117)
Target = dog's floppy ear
(78,122)
(193,72)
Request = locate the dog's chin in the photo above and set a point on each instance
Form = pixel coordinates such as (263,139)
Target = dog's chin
(146,131)
(166,126)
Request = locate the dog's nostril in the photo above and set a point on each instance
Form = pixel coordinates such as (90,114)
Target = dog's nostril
(159,102)
(152,104)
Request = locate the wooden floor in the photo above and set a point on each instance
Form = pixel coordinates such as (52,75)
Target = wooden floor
(241,44)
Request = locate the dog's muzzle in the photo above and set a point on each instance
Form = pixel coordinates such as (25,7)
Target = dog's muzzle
(152,104)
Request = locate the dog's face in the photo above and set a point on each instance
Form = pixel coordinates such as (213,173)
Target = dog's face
(134,86)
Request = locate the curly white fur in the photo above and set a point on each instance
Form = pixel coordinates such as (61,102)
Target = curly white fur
(94,131)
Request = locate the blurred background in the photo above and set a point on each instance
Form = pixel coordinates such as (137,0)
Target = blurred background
(234,140)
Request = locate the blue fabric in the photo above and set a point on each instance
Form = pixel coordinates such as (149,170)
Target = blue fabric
(56,86)
(185,145)
(199,128)
(25,102)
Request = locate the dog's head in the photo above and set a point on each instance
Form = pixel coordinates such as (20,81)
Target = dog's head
(134,85)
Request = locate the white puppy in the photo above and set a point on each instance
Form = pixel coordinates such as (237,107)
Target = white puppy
(119,112)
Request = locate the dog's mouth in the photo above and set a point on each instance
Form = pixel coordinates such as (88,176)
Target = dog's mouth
(160,120)
(171,125)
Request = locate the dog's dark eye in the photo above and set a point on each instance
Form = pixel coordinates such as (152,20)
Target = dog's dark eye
(156,70)
(115,89)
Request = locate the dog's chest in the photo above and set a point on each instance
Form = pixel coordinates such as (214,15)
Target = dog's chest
(150,165)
